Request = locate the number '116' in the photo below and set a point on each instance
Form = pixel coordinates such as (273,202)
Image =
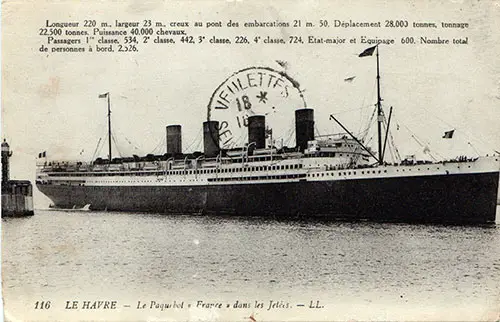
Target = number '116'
(42,305)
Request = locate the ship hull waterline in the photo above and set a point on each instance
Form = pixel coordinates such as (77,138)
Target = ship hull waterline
(464,198)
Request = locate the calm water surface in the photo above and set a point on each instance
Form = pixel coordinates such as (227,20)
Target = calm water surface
(355,270)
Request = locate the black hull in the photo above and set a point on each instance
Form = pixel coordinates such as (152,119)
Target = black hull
(460,199)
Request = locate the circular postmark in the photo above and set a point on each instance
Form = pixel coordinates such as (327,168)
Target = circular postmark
(253,91)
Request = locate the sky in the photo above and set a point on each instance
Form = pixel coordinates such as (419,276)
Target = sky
(50,101)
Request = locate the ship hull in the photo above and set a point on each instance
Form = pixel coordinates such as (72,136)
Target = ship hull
(463,198)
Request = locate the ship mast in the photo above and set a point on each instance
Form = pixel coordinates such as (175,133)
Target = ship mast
(107,95)
(109,124)
(379,115)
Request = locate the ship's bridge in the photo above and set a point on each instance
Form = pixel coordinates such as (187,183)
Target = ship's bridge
(340,146)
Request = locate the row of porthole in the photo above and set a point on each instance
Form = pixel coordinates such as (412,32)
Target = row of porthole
(122,181)
(362,172)
(231,170)
(343,173)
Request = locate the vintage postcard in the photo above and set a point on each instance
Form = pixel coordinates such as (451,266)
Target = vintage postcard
(250,160)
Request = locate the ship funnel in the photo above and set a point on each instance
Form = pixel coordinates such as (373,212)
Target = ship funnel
(257,131)
(211,138)
(174,139)
(304,127)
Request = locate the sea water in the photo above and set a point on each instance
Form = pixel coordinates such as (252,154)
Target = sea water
(186,267)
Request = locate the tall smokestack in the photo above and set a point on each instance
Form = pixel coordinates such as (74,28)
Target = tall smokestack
(304,127)
(257,131)
(174,139)
(211,138)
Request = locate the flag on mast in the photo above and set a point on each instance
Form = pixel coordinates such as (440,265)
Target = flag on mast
(103,95)
(448,134)
(368,51)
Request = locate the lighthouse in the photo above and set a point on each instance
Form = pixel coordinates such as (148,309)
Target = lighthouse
(6,154)
(17,195)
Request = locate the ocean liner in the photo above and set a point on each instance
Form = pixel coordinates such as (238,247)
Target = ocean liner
(332,176)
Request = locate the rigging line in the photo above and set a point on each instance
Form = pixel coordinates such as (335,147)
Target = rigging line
(100,148)
(419,141)
(157,147)
(164,144)
(95,151)
(195,139)
(352,110)
(318,133)
(104,130)
(414,136)
(116,145)
(391,145)
(361,120)
(198,146)
(467,134)
(241,138)
(133,145)
(369,124)
(104,133)
(291,131)
(117,131)
(473,148)
(389,149)
(426,147)
(395,154)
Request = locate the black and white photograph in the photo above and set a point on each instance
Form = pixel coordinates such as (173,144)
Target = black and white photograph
(250,161)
